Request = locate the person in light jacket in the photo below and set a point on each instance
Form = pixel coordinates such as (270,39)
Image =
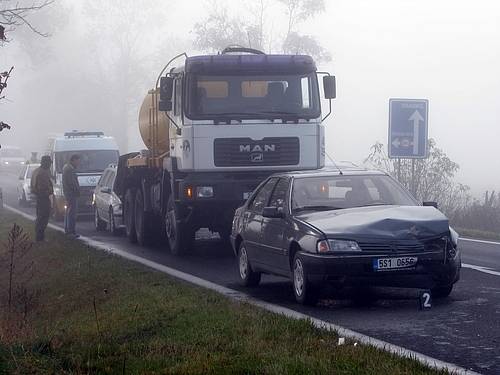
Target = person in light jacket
(71,191)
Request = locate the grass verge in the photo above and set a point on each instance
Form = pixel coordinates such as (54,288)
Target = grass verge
(95,313)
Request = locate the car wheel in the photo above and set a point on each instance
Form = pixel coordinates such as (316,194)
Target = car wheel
(304,291)
(100,224)
(23,202)
(112,222)
(442,291)
(247,276)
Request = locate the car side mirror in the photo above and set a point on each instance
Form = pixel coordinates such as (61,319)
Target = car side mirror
(329,87)
(273,212)
(430,204)
(106,190)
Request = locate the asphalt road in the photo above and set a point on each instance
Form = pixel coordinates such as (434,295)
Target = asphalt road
(463,329)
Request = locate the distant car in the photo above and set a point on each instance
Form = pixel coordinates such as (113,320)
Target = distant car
(108,211)
(355,227)
(12,159)
(24,195)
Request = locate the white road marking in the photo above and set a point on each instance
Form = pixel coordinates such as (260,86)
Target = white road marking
(481,269)
(479,241)
(243,297)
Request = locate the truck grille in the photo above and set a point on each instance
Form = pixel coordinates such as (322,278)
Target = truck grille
(239,152)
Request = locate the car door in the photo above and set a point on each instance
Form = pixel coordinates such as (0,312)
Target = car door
(252,221)
(273,229)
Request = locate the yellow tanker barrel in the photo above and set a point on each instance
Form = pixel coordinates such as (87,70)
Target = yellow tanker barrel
(156,141)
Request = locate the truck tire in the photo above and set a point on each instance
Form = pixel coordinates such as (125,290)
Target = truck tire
(143,224)
(180,236)
(128,215)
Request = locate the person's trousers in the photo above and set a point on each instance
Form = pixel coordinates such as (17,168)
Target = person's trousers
(42,217)
(70,215)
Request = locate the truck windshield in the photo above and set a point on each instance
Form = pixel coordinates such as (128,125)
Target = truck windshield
(92,161)
(239,97)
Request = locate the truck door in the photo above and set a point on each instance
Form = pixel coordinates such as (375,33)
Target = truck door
(253,221)
(273,229)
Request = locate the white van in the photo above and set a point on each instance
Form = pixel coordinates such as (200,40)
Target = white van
(96,152)
(11,159)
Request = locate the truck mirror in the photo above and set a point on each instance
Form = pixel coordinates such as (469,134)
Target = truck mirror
(166,88)
(329,87)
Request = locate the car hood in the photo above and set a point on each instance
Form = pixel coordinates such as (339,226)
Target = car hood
(382,222)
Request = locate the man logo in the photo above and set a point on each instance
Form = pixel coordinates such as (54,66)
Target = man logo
(257,157)
(258,148)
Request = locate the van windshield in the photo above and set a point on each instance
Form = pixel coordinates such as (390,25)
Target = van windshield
(11,153)
(91,161)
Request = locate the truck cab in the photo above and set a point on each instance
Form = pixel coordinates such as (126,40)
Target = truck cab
(96,152)
(216,127)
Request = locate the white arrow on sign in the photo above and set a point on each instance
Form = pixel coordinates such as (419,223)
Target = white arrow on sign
(396,143)
(416,117)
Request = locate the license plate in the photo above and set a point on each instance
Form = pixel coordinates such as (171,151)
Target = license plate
(247,195)
(394,263)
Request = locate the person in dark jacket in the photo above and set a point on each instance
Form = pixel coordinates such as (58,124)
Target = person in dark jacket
(71,191)
(41,186)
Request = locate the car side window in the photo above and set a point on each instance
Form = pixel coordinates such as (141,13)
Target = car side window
(278,199)
(262,197)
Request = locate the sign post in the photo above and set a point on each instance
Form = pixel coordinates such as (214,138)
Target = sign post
(408,133)
(408,124)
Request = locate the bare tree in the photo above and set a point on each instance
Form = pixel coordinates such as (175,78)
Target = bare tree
(219,29)
(17,13)
(430,179)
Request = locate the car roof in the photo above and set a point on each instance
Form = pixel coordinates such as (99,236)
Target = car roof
(331,171)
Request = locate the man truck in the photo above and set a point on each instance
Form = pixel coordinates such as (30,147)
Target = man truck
(215,127)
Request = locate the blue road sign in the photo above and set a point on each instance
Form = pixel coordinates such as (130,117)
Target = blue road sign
(408,120)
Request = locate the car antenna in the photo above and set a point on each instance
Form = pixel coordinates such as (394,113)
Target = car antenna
(334,164)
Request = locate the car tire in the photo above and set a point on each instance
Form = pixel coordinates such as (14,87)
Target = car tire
(442,291)
(112,223)
(248,277)
(128,215)
(305,293)
(99,224)
(23,202)
(180,236)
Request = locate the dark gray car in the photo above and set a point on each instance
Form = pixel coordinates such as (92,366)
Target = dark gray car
(356,227)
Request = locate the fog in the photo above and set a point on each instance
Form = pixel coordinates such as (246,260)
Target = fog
(94,69)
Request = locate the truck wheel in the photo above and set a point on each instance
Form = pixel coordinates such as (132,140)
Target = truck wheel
(143,222)
(128,215)
(180,236)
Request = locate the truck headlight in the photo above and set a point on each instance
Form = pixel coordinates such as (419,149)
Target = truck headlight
(337,245)
(204,191)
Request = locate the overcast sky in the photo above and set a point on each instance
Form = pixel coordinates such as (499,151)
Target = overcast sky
(442,50)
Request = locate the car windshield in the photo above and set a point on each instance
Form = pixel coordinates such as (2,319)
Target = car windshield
(237,97)
(90,161)
(11,153)
(340,192)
